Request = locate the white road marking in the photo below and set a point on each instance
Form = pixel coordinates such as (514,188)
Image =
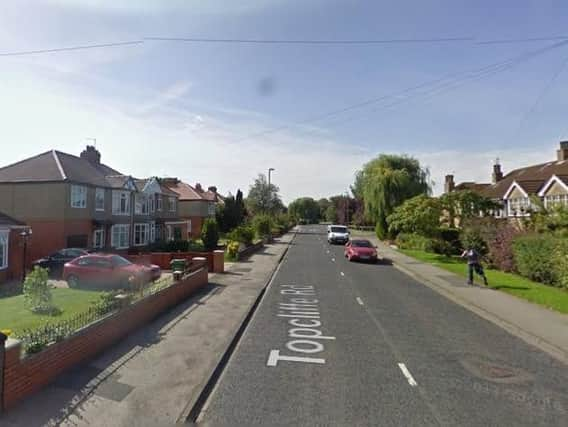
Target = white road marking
(360,301)
(407,374)
(333,260)
(342,273)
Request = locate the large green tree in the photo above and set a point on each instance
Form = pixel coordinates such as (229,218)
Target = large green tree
(305,208)
(466,204)
(420,214)
(323,204)
(231,213)
(263,198)
(386,182)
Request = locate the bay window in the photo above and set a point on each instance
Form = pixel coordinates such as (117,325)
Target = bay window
(120,202)
(120,236)
(141,234)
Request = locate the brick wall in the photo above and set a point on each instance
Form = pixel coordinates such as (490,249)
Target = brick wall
(215,263)
(25,376)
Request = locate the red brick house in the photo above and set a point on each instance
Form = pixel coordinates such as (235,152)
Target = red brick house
(11,248)
(72,201)
(195,203)
(514,190)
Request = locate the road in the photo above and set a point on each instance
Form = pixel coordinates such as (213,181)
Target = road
(335,343)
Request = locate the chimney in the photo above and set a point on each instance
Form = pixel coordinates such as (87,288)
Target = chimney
(213,189)
(169,181)
(199,188)
(497,172)
(450,184)
(92,155)
(562,153)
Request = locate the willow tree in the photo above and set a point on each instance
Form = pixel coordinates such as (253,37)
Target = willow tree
(386,182)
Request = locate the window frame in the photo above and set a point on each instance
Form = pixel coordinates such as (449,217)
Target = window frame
(98,192)
(78,196)
(158,203)
(100,231)
(172,203)
(118,197)
(141,230)
(4,248)
(124,233)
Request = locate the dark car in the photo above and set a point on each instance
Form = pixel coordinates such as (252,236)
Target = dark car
(55,262)
(361,250)
(107,270)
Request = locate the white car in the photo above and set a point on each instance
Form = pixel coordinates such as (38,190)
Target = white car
(337,234)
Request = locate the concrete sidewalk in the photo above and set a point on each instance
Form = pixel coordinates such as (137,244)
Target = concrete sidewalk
(543,328)
(153,377)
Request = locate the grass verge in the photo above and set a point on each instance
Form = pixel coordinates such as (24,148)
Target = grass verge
(547,296)
(16,317)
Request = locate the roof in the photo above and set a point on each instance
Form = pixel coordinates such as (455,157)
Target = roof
(183,190)
(55,165)
(531,178)
(473,186)
(6,220)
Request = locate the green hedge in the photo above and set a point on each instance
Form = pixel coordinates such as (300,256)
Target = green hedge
(242,234)
(542,258)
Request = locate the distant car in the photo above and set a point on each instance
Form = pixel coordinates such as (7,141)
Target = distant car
(361,250)
(108,270)
(337,234)
(55,262)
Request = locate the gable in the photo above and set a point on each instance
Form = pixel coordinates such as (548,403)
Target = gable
(152,186)
(130,185)
(516,194)
(556,189)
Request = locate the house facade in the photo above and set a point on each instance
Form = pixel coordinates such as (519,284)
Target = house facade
(514,191)
(11,247)
(71,201)
(195,203)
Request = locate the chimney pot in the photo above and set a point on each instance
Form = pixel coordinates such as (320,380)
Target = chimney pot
(562,153)
(497,172)
(92,155)
(450,185)
(198,187)
(213,189)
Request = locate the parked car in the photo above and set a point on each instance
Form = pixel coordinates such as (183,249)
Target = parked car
(107,270)
(360,249)
(55,262)
(338,234)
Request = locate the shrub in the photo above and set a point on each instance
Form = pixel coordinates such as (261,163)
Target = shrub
(452,237)
(233,249)
(412,241)
(262,225)
(381,231)
(561,263)
(242,234)
(439,246)
(534,257)
(37,293)
(501,248)
(6,332)
(471,238)
(210,234)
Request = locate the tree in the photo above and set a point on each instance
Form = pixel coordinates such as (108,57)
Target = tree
(263,198)
(323,205)
(420,215)
(466,204)
(344,208)
(210,234)
(305,208)
(231,214)
(331,214)
(386,182)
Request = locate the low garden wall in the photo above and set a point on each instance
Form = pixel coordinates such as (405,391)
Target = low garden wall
(248,251)
(215,259)
(23,376)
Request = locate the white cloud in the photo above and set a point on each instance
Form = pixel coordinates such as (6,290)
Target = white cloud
(168,95)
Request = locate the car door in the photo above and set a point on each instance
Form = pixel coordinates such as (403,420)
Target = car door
(87,269)
(347,248)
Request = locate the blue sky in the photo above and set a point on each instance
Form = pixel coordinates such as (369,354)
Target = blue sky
(188,110)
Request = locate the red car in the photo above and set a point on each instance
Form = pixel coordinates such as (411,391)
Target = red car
(362,250)
(102,269)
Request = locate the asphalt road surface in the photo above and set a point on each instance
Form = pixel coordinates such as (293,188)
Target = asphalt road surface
(335,343)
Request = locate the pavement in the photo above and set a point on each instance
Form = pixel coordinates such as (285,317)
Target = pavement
(154,376)
(537,325)
(334,343)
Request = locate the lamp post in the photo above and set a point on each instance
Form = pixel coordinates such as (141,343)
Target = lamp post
(25,235)
(270,170)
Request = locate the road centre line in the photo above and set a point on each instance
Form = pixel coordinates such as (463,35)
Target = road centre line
(407,374)
(359,300)
(333,260)
(342,273)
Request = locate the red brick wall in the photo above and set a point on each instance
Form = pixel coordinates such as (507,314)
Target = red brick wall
(162,259)
(22,377)
(196,224)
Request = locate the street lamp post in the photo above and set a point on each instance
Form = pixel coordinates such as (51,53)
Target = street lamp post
(270,170)
(25,235)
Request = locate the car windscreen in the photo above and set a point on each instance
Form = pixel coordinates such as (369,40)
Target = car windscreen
(119,261)
(338,229)
(362,244)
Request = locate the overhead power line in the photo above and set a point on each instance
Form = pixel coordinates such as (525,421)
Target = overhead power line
(310,42)
(525,40)
(70,48)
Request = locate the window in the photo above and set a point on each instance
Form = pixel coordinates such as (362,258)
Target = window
(152,232)
(100,199)
(4,249)
(152,203)
(159,202)
(78,196)
(172,204)
(119,261)
(211,209)
(169,233)
(140,204)
(519,206)
(121,202)
(120,235)
(557,200)
(141,234)
(99,239)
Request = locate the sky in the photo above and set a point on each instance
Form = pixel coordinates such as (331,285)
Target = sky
(221,113)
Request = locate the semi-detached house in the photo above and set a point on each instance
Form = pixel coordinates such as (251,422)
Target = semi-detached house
(71,201)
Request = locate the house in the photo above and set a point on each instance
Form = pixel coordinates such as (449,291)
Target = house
(195,204)
(11,247)
(547,181)
(72,201)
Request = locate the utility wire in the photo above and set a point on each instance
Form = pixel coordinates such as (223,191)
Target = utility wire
(526,40)
(71,48)
(309,42)
(439,86)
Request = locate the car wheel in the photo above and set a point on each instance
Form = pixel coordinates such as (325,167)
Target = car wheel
(73,281)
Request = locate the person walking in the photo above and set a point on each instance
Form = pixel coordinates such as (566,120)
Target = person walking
(473,264)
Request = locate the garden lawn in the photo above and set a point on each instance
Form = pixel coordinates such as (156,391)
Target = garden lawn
(548,296)
(14,315)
